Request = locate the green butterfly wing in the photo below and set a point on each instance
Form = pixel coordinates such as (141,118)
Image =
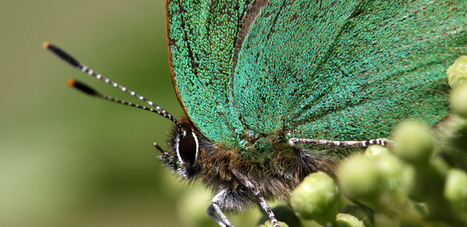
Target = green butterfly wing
(340,70)
(201,39)
(348,70)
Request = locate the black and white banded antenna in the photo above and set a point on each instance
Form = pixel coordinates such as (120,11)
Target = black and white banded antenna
(90,91)
(332,143)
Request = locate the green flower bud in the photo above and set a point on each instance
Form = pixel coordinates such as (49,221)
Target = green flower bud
(413,143)
(390,169)
(459,100)
(457,72)
(359,178)
(268,224)
(375,150)
(347,220)
(284,214)
(364,214)
(456,189)
(315,197)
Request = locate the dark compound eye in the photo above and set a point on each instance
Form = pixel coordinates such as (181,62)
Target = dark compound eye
(188,149)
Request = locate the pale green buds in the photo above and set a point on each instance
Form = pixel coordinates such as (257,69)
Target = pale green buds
(413,143)
(457,72)
(315,197)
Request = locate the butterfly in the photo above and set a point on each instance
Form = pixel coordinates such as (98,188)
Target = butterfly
(273,90)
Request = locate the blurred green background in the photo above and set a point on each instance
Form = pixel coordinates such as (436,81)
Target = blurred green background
(67,159)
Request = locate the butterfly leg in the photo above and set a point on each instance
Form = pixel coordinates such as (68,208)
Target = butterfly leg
(332,143)
(218,199)
(267,209)
(262,201)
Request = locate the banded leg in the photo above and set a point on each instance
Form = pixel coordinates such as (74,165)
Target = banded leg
(332,143)
(264,204)
(215,206)
(266,208)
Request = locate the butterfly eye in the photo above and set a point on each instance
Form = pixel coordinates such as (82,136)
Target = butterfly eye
(187,149)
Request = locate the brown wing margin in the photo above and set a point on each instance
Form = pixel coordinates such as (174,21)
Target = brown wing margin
(172,73)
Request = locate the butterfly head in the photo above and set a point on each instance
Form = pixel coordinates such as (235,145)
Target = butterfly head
(185,149)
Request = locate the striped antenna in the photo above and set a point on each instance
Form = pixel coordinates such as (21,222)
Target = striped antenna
(332,143)
(88,90)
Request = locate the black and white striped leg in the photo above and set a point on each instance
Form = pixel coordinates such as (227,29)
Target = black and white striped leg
(267,209)
(212,214)
(215,206)
(262,201)
(332,143)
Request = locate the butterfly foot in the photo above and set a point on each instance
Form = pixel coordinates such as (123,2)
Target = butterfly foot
(274,222)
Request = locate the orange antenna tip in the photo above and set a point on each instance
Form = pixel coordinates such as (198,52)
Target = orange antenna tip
(46,45)
(71,82)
